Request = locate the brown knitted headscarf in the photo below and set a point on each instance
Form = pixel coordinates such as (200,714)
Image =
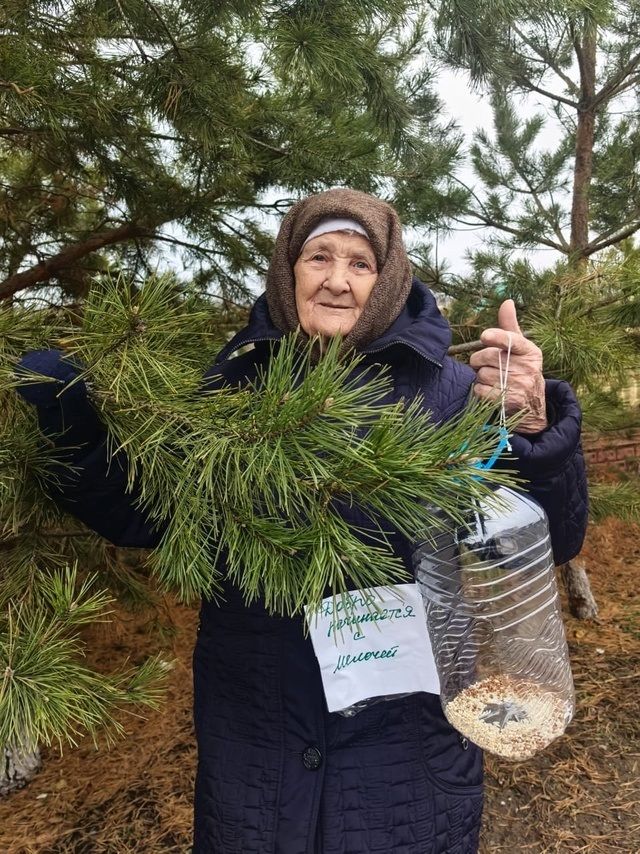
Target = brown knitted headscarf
(383,226)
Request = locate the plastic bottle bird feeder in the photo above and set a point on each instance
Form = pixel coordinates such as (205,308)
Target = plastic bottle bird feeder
(495,626)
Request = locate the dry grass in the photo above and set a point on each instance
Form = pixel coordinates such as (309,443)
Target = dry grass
(580,795)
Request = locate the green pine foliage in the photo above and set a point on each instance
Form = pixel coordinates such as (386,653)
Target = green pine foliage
(48,693)
(621,500)
(261,473)
(129,131)
(258,471)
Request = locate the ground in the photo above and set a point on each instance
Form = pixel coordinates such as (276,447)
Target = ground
(580,795)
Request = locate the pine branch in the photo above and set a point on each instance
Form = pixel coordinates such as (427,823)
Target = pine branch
(612,87)
(473,346)
(132,35)
(8,131)
(621,500)
(195,247)
(599,244)
(525,83)
(19,90)
(631,83)
(467,347)
(485,219)
(51,266)
(546,214)
(547,58)
(164,26)
(8,542)
(46,693)
(305,436)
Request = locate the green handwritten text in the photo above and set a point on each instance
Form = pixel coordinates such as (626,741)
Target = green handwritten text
(347,660)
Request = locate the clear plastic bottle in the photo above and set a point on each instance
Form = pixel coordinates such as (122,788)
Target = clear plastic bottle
(496,629)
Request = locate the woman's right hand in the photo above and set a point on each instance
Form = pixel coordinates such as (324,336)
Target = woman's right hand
(53,364)
(65,413)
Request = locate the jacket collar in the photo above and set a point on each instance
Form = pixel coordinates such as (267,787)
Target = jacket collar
(419,326)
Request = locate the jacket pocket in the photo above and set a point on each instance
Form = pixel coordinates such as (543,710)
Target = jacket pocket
(452,764)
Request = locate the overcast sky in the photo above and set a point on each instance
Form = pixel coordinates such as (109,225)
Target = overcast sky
(471,112)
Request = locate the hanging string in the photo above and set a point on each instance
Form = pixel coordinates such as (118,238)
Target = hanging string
(503,433)
(503,388)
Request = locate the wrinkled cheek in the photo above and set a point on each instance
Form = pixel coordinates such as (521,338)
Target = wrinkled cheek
(305,316)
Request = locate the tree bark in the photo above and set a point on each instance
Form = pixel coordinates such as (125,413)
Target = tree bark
(68,256)
(18,768)
(583,166)
(582,603)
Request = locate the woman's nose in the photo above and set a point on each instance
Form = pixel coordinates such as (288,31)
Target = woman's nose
(337,280)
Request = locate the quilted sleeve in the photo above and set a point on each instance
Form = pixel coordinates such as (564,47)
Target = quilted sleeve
(553,464)
(89,484)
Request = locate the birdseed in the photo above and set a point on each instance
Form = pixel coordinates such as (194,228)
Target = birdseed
(510,717)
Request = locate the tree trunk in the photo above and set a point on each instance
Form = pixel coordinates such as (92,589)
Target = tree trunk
(583,166)
(582,603)
(581,600)
(18,768)
(581,185)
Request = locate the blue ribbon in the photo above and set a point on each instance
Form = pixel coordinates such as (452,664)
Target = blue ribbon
(503,444)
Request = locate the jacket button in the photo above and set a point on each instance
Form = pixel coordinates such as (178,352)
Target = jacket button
(311,758)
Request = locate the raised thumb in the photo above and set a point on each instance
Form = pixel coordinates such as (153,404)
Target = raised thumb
(507,317)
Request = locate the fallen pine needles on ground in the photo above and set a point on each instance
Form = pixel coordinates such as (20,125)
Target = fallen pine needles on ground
(580,796)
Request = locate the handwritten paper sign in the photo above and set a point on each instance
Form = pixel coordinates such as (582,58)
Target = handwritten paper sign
(373,643)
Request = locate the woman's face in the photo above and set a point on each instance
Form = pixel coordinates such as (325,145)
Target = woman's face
(334,276)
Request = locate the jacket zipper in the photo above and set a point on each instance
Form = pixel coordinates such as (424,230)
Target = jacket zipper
(404,344)
(364,352)
(244,344)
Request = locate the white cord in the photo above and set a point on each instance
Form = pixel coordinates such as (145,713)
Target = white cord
(503,385)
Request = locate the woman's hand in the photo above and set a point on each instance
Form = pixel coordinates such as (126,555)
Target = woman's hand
(525,383)
(57,373)
(49,381)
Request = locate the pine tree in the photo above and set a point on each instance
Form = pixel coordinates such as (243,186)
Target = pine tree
(580,64)
(131,130)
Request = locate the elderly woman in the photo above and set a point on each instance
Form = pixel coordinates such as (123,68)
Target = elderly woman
(276,771)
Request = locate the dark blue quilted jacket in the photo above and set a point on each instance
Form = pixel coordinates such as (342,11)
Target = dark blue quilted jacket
(278,774)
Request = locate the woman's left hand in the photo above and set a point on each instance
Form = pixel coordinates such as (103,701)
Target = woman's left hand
(525,383)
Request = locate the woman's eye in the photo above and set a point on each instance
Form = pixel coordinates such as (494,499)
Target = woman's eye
(362,265)
(318,257)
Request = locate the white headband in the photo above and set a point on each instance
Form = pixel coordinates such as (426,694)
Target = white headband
(335,224)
